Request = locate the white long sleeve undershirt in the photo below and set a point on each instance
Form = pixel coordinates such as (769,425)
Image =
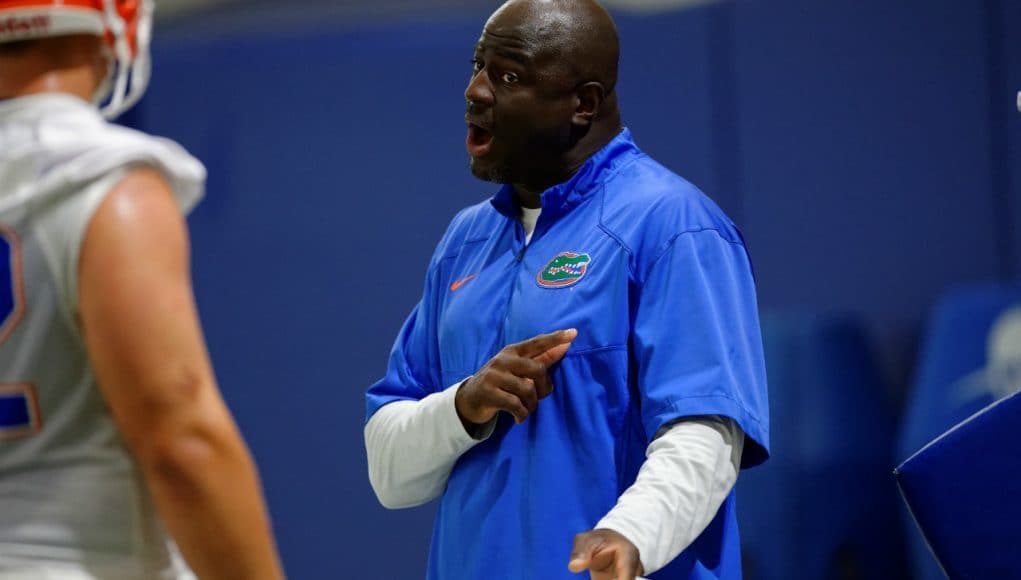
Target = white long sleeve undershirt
(412,446)
(688,472)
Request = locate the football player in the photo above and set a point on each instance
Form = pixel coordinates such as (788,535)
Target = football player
(118,455)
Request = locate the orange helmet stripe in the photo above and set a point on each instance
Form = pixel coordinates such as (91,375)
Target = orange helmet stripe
(95,4)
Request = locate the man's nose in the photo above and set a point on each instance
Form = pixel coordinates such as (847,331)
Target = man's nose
(479,90)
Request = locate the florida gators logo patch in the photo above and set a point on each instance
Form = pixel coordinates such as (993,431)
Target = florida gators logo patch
(565,269)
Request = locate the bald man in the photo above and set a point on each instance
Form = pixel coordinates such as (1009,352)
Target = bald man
(583,377)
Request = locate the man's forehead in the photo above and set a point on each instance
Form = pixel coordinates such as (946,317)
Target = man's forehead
(511,43)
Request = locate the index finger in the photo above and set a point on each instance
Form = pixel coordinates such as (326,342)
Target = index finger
(539,344)
(585,546)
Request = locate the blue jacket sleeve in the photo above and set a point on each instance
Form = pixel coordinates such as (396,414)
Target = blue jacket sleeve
(412,372)
(697,342)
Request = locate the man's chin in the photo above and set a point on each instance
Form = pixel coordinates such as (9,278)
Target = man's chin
(480,170)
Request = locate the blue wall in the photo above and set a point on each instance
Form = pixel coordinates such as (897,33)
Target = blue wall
(862,145)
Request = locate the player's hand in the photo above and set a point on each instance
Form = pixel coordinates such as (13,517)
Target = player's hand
(606,554)
(514,380)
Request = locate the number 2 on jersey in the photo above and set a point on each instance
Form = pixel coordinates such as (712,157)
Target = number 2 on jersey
(19,409)
(12,294)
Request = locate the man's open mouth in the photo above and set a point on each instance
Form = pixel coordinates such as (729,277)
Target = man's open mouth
(479,140)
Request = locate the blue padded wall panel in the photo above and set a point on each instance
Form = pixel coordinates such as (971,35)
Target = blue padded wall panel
(963,490)
(1007,14)
(669,98)
(865,152)
(824,505)
(956,378)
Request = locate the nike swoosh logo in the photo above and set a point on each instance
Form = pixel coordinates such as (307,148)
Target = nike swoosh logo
(458,283)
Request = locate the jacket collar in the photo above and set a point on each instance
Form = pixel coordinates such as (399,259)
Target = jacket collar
(561,199)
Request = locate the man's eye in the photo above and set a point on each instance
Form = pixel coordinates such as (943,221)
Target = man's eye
(509,78)
(476,65)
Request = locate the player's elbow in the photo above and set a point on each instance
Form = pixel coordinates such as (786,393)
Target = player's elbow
(394,498)
(179,457)
(390,502)
(185,447)
(182,456)
(393,493)
(395,479)
(382,487)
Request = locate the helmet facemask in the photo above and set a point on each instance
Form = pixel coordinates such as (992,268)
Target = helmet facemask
(129,36)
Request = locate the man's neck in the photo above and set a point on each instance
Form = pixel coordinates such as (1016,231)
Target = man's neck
(530,195)
(67,65)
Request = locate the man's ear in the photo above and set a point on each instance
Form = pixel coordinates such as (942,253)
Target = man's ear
(588,98)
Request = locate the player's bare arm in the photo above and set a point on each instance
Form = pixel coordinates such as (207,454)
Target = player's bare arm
(142,332)
(514,380)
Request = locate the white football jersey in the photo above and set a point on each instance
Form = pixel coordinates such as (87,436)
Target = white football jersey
(72,503)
